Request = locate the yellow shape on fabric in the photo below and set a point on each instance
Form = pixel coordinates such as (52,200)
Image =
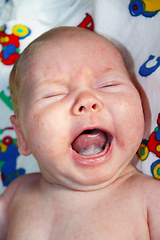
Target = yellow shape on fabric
(143,152)
(4,39)
(152,5)
(158,148)
(3,147)
(20,30)
(155,171)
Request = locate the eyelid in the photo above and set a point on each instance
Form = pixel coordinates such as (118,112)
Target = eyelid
(53,91)
(49,95)
(109,84)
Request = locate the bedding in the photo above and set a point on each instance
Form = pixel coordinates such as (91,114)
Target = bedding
(133,26)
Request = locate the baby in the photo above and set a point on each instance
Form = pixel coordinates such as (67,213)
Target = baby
(78,112)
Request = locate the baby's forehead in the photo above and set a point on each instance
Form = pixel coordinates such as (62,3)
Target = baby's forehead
(63,49)
(69,51)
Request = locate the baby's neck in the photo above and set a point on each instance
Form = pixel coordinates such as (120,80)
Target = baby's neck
(76,197)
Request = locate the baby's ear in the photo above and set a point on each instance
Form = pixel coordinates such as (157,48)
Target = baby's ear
(22,145)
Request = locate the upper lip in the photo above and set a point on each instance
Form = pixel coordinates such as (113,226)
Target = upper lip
(94,130)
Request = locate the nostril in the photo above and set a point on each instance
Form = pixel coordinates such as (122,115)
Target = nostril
(86,102)
(94,106)
(81,108)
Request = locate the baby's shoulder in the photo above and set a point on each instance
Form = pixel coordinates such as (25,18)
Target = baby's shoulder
(149,189)
(17,187)
(145,187)
(20,183)
(143,183)
(146,191)
(7,199)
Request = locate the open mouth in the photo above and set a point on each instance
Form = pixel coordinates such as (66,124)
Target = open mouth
(91,142)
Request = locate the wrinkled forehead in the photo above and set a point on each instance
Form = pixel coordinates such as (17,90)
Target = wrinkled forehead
(69,52)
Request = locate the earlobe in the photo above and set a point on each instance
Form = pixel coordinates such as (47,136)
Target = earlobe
(22,145)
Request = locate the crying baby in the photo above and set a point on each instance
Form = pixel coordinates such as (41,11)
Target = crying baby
(80,115)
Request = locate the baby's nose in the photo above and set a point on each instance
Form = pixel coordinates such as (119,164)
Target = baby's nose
(85,103)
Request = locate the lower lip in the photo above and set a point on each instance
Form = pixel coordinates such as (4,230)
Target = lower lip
(92,160)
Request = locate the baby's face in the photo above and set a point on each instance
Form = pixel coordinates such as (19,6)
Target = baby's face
(82,117)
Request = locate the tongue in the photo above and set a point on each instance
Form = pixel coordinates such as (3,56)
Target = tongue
(90,143)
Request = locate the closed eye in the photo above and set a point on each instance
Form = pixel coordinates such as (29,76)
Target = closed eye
(54,96)
(108,85)
(50,95)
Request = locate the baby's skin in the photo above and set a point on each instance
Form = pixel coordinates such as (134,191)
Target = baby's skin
(78,112)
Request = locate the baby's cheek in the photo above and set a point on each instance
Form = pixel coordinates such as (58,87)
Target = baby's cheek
(33,126)
(130,121)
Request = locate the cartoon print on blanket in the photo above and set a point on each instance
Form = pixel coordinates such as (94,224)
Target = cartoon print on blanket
(148,8)
(8,157)
(6,98)
(152,145)
(10,43)
(87,23)
(145,71)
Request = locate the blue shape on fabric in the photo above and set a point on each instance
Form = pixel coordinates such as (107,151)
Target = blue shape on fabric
(8,50)
(145,71)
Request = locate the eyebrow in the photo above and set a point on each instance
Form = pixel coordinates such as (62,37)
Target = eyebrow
(104,71)
(60,81)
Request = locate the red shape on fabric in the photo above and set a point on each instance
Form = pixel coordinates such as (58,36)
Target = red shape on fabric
(11,59)
(2,177)
(5,40)
(87,23)
(7,140)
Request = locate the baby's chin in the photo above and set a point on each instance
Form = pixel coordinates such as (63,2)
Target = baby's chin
(79,184)
(122,174)
(70,184)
